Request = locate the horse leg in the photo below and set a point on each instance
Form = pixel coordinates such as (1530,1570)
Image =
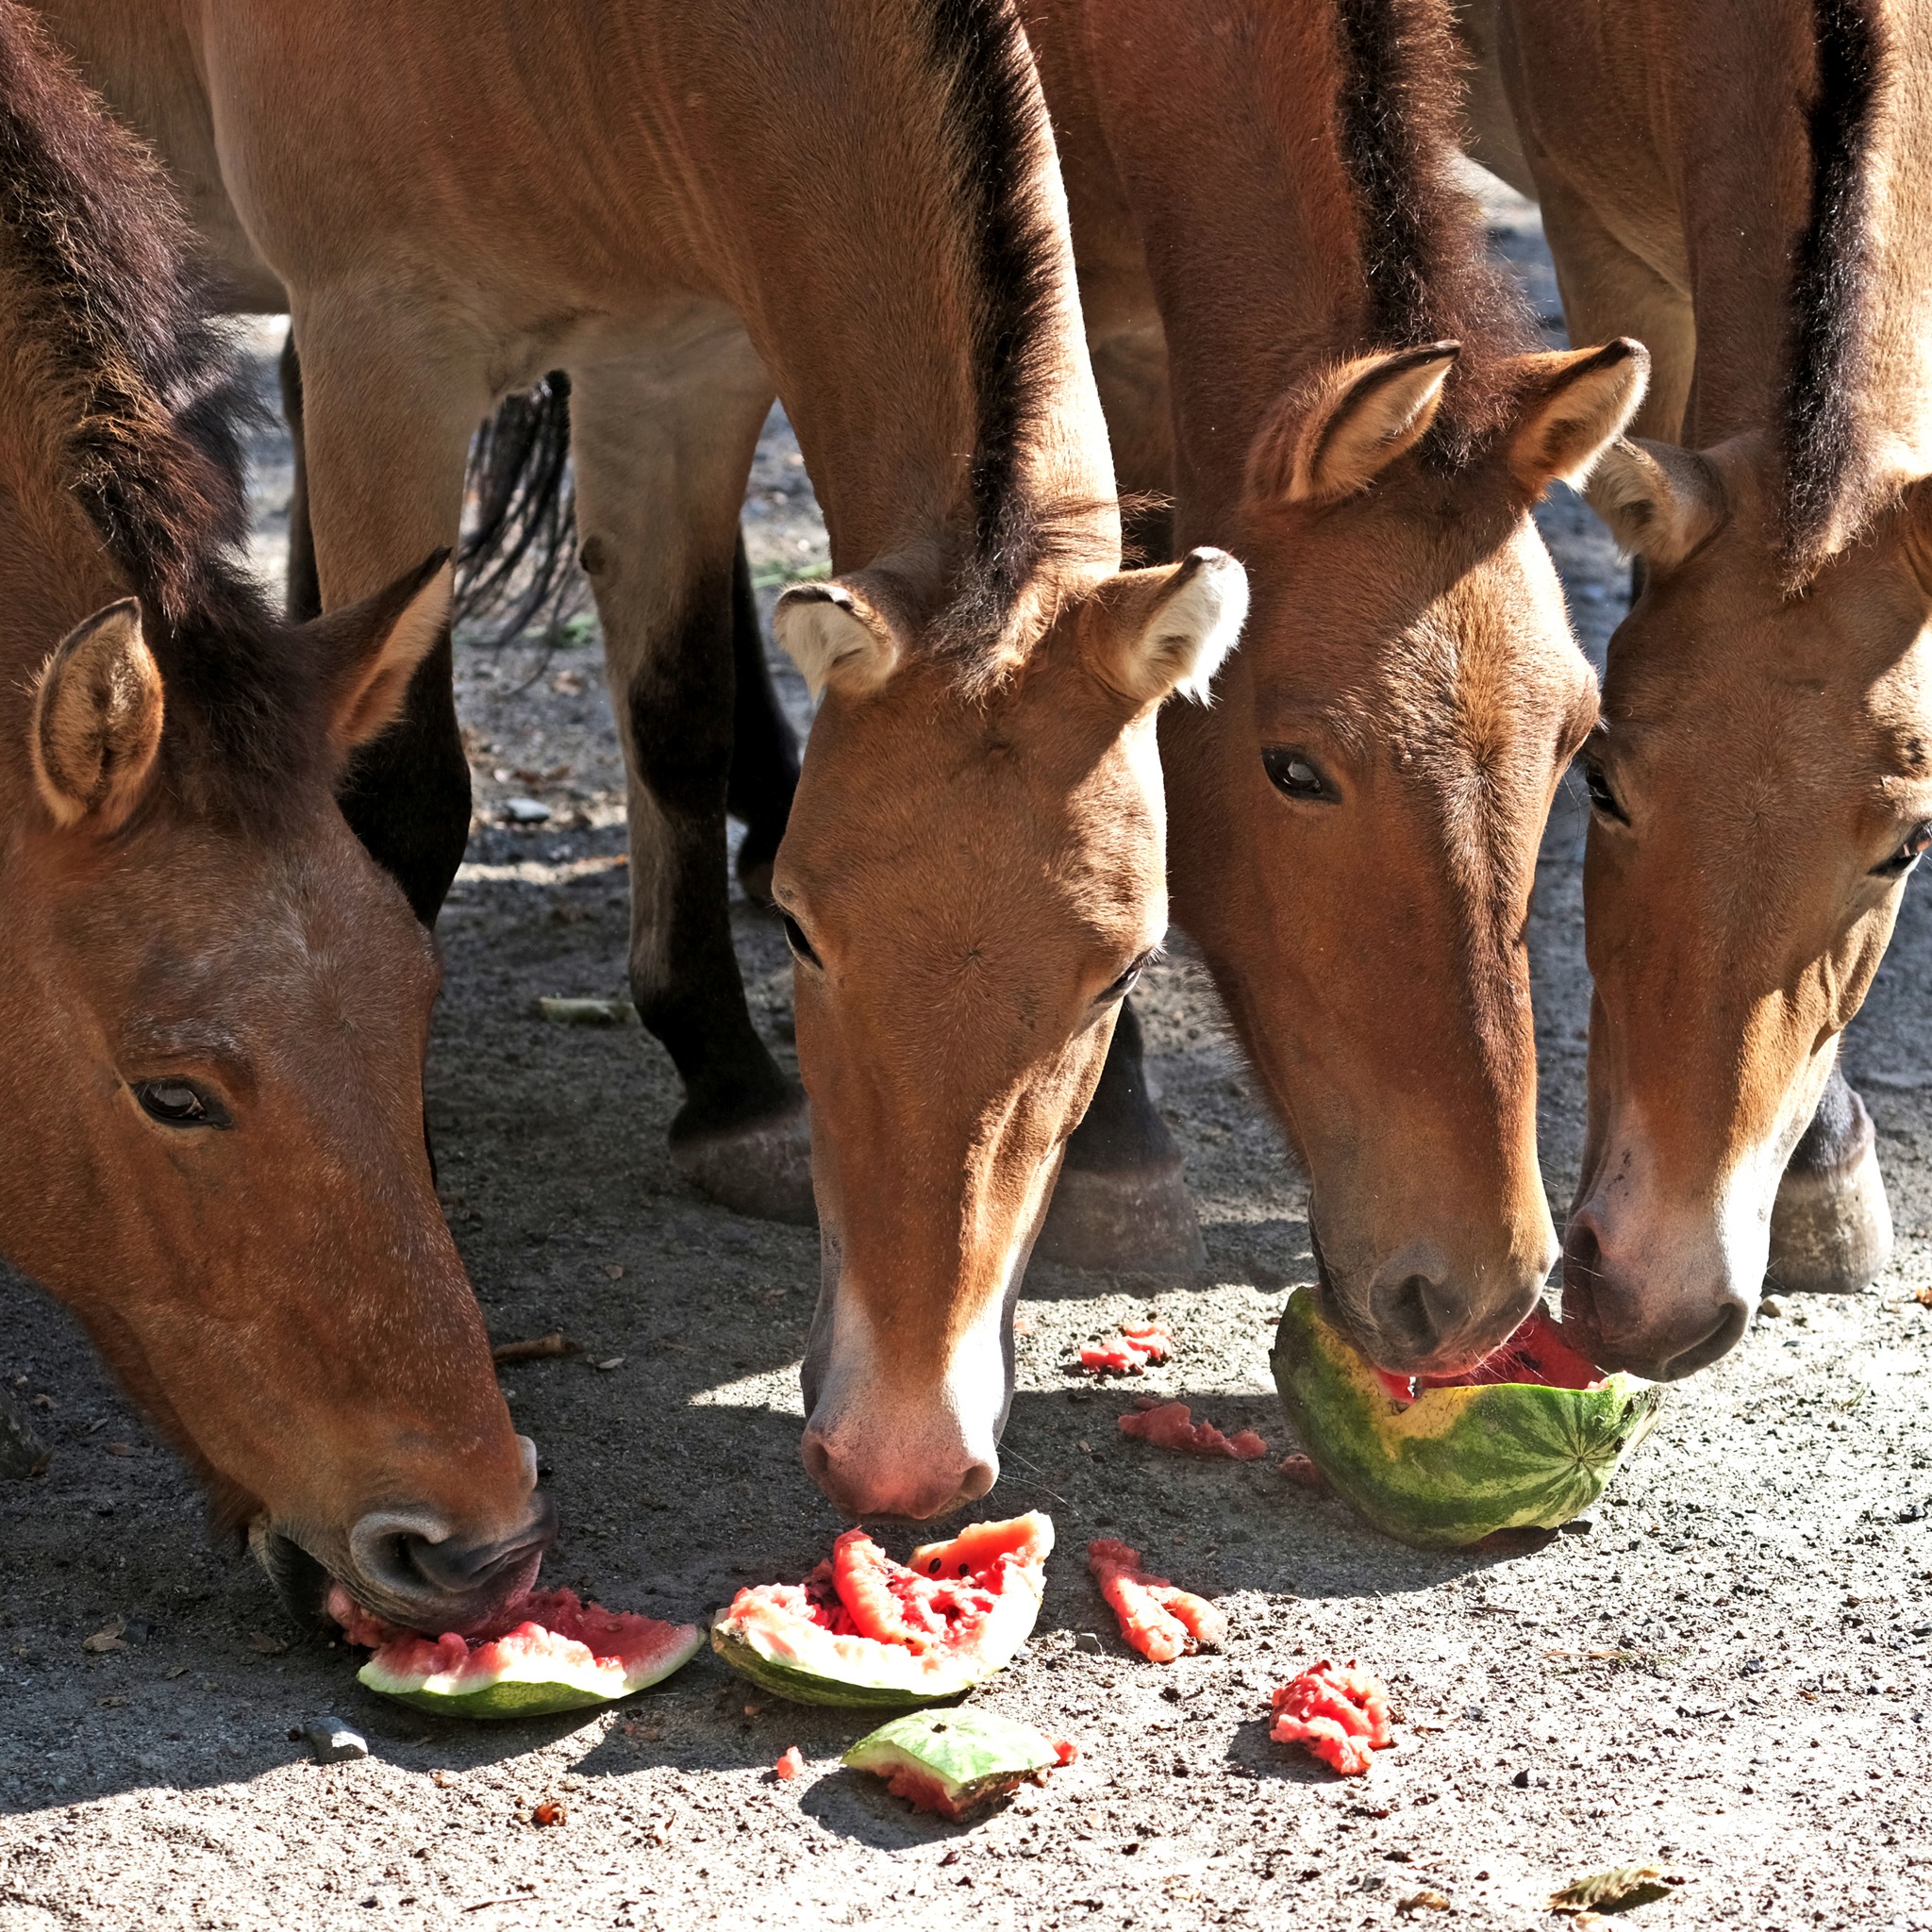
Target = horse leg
(1121,1203)
(1831,1224)
(764,753)
(384,422)
(663,446)
(305,584)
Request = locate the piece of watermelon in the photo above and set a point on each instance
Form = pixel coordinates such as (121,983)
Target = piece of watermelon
(1159,1620)
(955,1762)
(1444,1462)
(1131,1354)
(1168,1426)
(558,1654)
(865,1631)
(1338,1712)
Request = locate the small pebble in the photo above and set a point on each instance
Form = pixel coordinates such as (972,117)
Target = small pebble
(526,811)
(1087,1640)
(332,1742)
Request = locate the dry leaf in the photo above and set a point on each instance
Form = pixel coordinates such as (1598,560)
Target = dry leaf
(1424,1902)
(268,1646)
(180,1671)
(105,1639)
(1614,1890)
(615,1361)
(1923,1298)
(551,1811)
(113,1702)
(123,1449)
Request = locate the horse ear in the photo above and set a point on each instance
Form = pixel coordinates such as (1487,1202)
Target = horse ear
(371,650)
(838,638)
(1168,630)
(1573,404)
(1364,415)
(96,723)
(1660,500)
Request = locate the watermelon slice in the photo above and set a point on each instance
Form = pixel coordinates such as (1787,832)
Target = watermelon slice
(955,1762)
(560,1653)
(1526,1439)
(865,1631)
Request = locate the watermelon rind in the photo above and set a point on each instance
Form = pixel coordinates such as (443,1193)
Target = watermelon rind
(1456,1464)
(971,1755)
(797,1660)
(534,1686)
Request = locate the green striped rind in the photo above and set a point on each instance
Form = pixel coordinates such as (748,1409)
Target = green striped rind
(1457,1464)
(534,1687)
(972,1754)
(796,1659)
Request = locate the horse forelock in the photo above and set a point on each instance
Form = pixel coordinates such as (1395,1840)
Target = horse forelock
(1422,259)
(996,130)
(1824,440)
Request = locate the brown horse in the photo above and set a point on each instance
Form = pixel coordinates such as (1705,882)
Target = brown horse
(215,1005)
(1745,185)
(1296,333)
(856,205)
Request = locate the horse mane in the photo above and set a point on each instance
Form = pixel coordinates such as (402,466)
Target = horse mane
(108,336)
(1822,434)
(1428,276)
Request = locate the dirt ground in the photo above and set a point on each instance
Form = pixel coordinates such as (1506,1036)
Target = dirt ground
(1727,1674)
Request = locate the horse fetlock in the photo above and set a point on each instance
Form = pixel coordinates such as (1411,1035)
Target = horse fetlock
(1135,1220)
(1831,1226)
(758,1164)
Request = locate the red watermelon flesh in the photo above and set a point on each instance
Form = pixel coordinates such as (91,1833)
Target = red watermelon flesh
(1538,1352)
(1168,1426)
(1338,1711)
(1132,1353)
(1158,1620)
(863,1628)
(544,1637)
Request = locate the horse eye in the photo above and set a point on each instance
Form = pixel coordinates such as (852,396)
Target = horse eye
(180,1104)
(1294,773)
(795,938)
(1126,982)
(1601,796)
(1902,861)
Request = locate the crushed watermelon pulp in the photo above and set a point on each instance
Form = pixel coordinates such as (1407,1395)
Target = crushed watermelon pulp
(1160,1621)
(1537,1353)
(1136,1350)
(1169,1425)
(1339,1713)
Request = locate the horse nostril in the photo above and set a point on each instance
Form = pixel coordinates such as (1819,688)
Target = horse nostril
(1721,1338)
(1407,1307)
(410,1558)
(979,1478)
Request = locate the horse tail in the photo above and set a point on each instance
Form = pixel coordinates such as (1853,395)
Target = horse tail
(515,563)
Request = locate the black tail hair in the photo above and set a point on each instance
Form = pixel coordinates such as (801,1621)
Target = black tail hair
(515,567)
(1829,276)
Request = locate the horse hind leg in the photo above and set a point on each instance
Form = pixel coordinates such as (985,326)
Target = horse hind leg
(1831,1223)
(1121,1205)
(662,455)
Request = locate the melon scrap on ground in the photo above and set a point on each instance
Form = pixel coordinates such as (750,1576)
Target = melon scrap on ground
(555,1653)
(865,1631)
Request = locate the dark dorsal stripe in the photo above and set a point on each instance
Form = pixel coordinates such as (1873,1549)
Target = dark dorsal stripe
(1830,272)
(1428,277)
(994,124)
(98,277)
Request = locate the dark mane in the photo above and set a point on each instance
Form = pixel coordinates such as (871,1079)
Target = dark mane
(103,320)
(1830,265)
(995,126)
(1397,107)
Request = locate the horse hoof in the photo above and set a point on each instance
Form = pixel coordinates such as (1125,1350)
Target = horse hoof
(1136,1221)
(1831,1227)
(762,1170)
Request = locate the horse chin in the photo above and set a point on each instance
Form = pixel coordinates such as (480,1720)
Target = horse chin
(300,1583)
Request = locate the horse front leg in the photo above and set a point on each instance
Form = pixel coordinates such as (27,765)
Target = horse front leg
(662,442)
(1831,1223)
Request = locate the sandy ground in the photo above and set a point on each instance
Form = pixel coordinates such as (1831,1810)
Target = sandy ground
(1728,1675)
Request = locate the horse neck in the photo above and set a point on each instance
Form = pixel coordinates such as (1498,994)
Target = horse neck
(1227,126)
